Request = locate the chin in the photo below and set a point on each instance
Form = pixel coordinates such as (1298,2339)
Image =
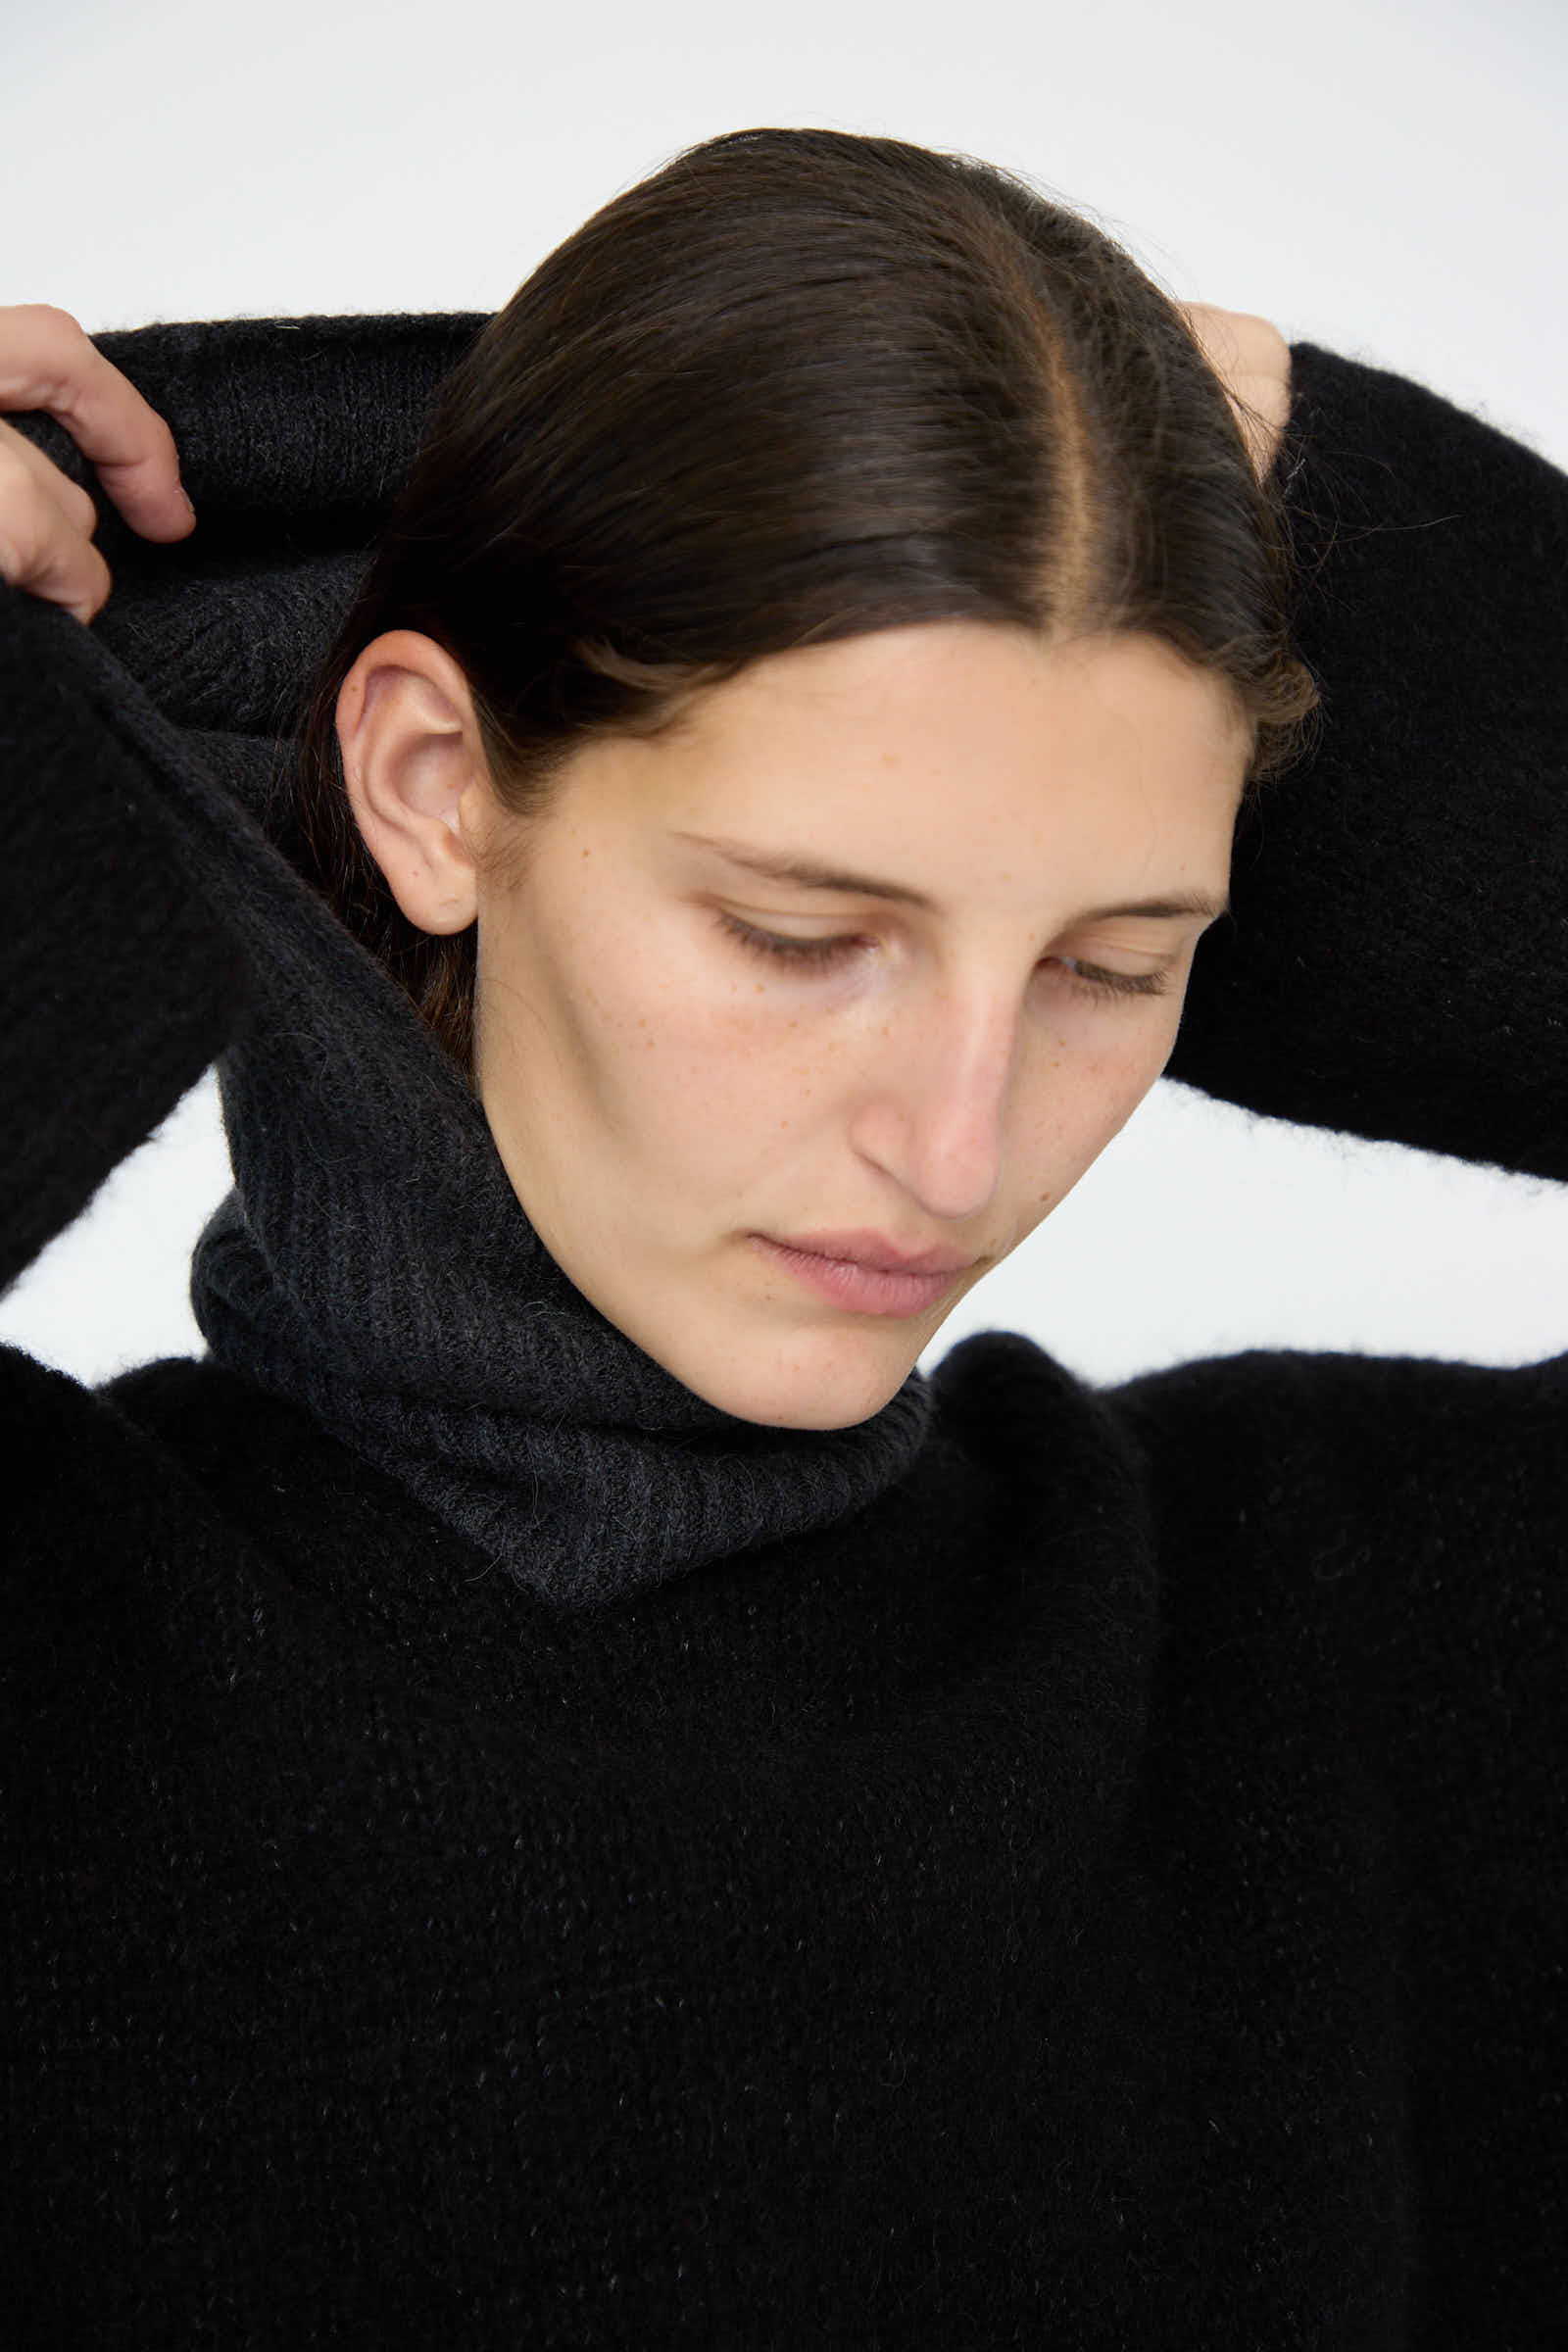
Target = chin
(777,1371)
(826,1396)
(804,1415)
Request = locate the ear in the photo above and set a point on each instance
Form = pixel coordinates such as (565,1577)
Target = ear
(415,767)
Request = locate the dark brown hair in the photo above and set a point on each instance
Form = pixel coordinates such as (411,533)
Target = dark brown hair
(797,385)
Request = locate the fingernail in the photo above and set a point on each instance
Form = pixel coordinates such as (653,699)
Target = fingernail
(185,494)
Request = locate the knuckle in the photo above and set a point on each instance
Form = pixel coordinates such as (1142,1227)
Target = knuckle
(27,477)
(16,483)
(47,318)
(40,549)
(161,436)
(80,503)
(97,582)
(19,544)
(1260,334)
(54,353)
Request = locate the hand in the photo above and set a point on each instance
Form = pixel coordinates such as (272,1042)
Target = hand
(1252,361)
(46,520)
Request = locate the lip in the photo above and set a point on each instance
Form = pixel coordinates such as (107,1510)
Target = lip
(866,1273)
(876,1250)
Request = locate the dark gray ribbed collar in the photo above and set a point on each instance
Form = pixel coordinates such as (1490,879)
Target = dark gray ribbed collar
(372,1263)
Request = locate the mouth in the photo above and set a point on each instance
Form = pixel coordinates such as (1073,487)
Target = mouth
(866,1274)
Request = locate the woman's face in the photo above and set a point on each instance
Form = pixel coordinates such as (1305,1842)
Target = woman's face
(795,1020)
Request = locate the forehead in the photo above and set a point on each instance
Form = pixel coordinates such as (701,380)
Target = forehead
(960,756)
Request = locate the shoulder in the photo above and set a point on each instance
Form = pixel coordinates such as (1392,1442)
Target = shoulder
(1399,1521)
(1290,1418)
(131,1509)
(1284,1469)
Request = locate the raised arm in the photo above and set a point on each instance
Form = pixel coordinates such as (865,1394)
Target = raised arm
(120,984)
(1397,964)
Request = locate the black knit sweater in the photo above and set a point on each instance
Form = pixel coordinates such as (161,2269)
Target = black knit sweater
(1105,1889)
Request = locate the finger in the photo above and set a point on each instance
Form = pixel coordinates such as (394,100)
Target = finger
(1263,407)
(47,362)
(40,549)
(1253,362)
(73,501)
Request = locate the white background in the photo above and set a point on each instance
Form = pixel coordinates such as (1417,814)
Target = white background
(1380,176)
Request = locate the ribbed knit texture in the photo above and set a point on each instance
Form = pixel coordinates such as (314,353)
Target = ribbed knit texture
(1106,1891)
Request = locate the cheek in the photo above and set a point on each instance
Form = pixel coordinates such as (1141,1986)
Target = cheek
(685,1068)
(1081,1095)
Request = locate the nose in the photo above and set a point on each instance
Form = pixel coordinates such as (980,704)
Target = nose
(934,1113)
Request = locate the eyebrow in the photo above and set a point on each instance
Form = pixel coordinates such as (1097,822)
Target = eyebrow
(805,875)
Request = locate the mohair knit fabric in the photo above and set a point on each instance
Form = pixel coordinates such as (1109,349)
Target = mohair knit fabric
(498,1853)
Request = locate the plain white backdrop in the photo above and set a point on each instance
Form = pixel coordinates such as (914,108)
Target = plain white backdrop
(1384,176)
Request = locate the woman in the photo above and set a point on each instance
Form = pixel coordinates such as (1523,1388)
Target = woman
(565,1794)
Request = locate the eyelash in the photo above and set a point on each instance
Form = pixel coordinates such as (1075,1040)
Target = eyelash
(820,952)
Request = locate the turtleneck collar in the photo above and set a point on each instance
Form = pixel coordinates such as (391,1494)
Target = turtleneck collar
(372,1263)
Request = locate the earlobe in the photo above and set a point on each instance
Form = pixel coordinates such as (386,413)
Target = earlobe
(413,768)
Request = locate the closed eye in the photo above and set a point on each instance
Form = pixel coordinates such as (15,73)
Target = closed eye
(1093,979)
(1103,983)
(779,945)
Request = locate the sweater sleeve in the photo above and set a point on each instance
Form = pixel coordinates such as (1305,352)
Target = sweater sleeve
(121,983)
(1397,963)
